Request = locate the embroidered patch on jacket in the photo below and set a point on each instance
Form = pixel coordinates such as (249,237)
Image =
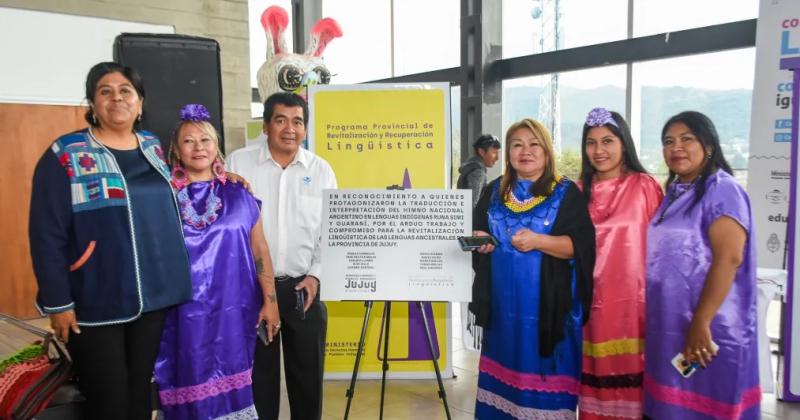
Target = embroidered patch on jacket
(89,161)
(98,192)
(154,154)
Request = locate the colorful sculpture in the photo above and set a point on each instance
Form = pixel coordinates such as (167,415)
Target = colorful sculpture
(291,72)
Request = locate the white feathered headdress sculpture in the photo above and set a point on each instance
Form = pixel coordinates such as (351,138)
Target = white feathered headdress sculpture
(293,72)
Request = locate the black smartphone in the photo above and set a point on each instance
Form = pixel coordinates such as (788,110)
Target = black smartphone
(300,303)
(261,332)
(471,243)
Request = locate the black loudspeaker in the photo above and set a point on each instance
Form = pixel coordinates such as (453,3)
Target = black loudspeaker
(177,70)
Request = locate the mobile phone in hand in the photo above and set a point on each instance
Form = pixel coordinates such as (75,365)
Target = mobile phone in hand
(684,367)
(471,243)
(687,368)
(261,332)
(300,303)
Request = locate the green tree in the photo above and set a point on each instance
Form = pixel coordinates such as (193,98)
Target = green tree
(569,164)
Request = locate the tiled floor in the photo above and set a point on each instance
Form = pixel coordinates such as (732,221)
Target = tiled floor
(418,400)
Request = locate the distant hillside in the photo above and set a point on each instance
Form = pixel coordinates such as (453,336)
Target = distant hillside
(729,109)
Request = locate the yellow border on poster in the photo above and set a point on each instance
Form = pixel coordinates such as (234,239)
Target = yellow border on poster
(376,136)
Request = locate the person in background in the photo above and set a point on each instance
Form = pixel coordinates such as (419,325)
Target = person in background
(290,181)
(622,199)
(473,177)
(107,245)
(204,367)
(701,285)
(531,292)
(472,173)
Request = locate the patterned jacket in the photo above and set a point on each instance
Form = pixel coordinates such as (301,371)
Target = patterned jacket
(82,234)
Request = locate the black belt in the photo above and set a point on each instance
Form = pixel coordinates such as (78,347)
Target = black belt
(284,278)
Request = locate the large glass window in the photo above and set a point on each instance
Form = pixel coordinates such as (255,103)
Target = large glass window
(561,101)
(455,133)
(658,16)
(719,85)
(364,52)
(531,27)
(426,35)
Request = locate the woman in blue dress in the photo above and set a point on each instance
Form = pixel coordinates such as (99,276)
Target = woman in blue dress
(533,290)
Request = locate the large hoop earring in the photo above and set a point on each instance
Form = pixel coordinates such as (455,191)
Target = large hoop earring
(179,177)
(218,169)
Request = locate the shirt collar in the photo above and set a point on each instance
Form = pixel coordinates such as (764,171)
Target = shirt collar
(301,156)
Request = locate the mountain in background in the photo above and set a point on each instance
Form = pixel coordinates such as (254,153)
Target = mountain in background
(729,109)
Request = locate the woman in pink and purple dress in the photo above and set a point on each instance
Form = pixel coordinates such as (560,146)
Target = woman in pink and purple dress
(701,284)
(204,366)
(622,199)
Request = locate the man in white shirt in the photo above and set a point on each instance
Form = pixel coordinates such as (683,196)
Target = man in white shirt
(289,180)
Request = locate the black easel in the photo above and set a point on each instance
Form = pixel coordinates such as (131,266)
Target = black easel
(387,311)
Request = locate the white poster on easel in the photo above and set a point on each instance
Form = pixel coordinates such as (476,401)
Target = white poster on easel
(396,245)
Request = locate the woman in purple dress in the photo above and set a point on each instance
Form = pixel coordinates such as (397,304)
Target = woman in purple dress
(204,366)
(701,285)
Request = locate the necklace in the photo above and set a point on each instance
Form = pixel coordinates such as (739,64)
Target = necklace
(94,137)
(518,206)
(673,197)
(189,213)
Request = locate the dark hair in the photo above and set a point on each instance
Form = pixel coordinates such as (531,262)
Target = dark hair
(287,99)
(101,69)
(703,128)
(629,157)
(486,141)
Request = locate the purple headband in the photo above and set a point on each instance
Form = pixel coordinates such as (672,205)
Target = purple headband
(195,112)
(599,117)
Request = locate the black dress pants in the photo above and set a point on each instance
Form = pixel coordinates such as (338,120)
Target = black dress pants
(303,343)
(114,364)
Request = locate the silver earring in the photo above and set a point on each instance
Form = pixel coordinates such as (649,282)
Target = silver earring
(139,118)
(94,119)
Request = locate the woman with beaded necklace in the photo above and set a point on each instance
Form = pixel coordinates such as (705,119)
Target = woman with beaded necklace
(532,291)
(204,366)
(622,199)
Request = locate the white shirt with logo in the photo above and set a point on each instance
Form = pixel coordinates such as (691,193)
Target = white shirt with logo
(291,210)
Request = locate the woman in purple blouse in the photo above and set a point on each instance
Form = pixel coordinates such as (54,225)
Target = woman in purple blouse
(701,358)
(204,367)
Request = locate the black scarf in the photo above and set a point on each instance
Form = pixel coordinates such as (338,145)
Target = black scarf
(555,300)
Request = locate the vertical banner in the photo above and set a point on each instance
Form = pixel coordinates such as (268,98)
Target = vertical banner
(791,339)
(777,37)
(379,136)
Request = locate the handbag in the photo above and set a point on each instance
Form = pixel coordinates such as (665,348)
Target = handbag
(30,377)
